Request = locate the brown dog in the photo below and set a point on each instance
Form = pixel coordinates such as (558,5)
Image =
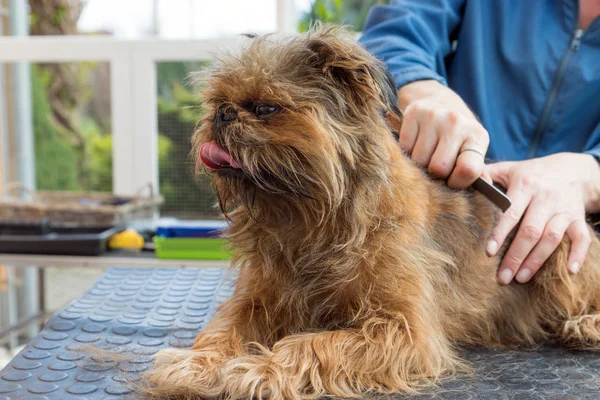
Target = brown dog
(358,273)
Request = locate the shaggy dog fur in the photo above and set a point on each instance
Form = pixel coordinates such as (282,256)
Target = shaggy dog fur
(358,274)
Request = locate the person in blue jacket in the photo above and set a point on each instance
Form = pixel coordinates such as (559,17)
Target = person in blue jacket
(518,80)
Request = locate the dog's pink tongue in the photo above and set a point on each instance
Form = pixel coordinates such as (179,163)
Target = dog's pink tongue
(215,157)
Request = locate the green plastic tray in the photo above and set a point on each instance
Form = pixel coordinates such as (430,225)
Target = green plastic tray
(191,248)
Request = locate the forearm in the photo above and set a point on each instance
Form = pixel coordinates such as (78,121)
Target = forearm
(413,37)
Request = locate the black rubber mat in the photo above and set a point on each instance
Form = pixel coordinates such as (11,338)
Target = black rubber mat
(140,311)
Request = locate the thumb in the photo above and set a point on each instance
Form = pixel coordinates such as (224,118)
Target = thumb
(498,172)
(486,175)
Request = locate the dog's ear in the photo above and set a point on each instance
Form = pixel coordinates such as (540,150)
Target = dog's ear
(353,68)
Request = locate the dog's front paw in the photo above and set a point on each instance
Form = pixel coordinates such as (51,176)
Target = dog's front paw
(258,377)
(185,374)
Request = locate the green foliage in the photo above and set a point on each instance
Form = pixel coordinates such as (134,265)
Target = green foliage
(55,156)
(185,193)
(348,12)
(170,74)
(97,173)
(98,167)
(59,15)
(59,164)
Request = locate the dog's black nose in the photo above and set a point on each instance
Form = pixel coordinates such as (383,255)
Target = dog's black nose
(226,114)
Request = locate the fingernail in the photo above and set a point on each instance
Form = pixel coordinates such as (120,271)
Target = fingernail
(506,276)
(523,275)
(492,247)
(574,268)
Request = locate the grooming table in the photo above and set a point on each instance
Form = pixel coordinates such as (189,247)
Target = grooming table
(140,311)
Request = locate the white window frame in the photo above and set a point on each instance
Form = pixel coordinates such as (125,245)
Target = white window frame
(133,94)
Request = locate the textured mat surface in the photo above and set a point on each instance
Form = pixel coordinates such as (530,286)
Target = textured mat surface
(140,311)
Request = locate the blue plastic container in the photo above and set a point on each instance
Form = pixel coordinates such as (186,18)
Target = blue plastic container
(192,229)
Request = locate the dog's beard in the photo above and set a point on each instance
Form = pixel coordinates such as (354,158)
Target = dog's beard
(275,172)
(268,179)
(280,183)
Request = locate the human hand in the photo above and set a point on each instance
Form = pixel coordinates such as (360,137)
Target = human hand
(441,133)
(552,195)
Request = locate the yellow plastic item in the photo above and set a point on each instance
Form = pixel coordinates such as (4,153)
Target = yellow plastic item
(128,239)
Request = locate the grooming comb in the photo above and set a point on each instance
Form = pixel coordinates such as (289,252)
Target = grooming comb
(491,192)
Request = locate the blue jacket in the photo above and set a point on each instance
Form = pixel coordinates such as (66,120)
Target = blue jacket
(522,66)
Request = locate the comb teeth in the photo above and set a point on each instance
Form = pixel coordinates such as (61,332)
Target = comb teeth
(492,193)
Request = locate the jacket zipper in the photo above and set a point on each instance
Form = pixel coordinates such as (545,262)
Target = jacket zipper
(551,99)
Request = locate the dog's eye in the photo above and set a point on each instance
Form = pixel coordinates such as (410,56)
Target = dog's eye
(263,110)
